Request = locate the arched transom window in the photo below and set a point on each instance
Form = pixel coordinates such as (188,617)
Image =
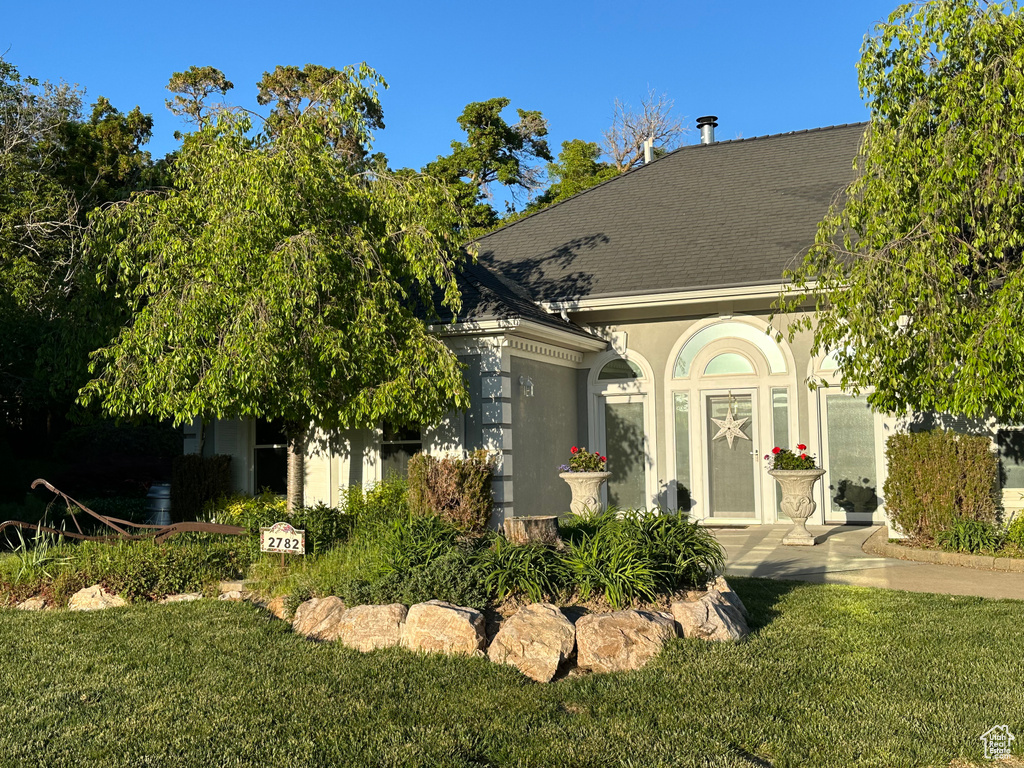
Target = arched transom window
(730,362)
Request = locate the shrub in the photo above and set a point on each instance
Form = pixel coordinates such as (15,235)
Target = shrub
(414,541)
(1015,531)
(376,508)
(684,553)
(132,509)
(324,526)
(449,576)
(938,477)
(136,569)
(969,536)
(196,480)
(611,564)
(533,570)
(624,559)
(459,490)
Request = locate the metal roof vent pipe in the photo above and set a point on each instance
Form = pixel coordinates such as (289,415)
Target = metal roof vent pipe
(707,125)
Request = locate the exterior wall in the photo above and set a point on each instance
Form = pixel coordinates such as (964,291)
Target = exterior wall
(545,426)
(655,339)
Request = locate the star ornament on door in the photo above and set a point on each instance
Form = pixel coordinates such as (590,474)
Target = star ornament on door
(730,427)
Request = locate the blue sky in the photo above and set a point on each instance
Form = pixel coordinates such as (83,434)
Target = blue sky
(761,67)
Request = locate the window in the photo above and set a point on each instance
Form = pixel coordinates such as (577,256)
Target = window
(398,444)
(681,400)
(765,343)
(620,369)
(270,457)
(1010,443)
(726,363)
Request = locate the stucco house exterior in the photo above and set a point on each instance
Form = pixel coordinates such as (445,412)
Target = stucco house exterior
(625,319)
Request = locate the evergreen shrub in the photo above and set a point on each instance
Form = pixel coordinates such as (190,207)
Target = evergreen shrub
(937,478)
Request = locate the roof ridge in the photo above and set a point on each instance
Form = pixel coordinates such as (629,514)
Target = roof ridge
(667,155)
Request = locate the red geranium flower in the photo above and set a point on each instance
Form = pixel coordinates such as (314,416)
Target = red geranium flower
(776,449)
(803,455)
(801,447)
(604,458)
(574,449)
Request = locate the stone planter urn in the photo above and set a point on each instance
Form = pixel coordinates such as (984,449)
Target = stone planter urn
(586,491)
(797,502)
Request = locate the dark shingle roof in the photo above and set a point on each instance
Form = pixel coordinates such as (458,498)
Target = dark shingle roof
(489,296)
(732,213)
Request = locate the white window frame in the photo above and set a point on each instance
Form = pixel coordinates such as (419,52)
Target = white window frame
(625,390)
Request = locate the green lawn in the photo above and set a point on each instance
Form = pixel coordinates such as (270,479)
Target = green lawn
(832,676)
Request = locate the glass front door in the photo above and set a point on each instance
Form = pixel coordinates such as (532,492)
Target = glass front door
(730,427)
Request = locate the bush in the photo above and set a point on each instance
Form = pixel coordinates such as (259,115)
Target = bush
(450,576)
(133,569)
(459,490)
(533,570)
(196,480)
(413,542)
(376,508)
(937,478)
(624,559)
(1015,531)
(324,526)
(969,536)
(132,509)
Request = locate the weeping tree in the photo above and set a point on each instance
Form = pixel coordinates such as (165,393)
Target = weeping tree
(284,275)
(917,271)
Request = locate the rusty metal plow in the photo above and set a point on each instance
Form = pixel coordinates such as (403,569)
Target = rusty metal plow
(159,533)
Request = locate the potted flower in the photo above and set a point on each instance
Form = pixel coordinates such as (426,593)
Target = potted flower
(796,473)
(584,473)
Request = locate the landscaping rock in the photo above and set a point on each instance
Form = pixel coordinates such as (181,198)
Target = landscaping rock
(234,595)
(318,618)
(94,598)
(711,617)
(536,640)
(368,627)
(730,596)
(277,608)
(620,641)
(445,628)
(184,597)
(32,604)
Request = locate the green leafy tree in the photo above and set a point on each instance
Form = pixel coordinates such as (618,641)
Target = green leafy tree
(577,169)
(56,165)
(916,273)
(278,279)
(494,153)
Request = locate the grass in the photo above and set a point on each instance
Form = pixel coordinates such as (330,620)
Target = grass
(832,676)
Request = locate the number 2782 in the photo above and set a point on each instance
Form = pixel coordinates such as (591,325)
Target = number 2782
(282,543)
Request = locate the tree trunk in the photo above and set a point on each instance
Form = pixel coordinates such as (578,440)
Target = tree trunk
(533,530)
(296,468)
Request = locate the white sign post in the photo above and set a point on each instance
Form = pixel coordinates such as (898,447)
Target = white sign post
(281,537)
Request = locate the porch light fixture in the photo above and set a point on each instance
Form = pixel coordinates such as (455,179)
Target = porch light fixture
(527,384)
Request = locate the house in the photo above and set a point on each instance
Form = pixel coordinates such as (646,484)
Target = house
(627,319)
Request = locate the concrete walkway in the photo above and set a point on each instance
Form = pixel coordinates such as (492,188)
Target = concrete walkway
(838,559)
